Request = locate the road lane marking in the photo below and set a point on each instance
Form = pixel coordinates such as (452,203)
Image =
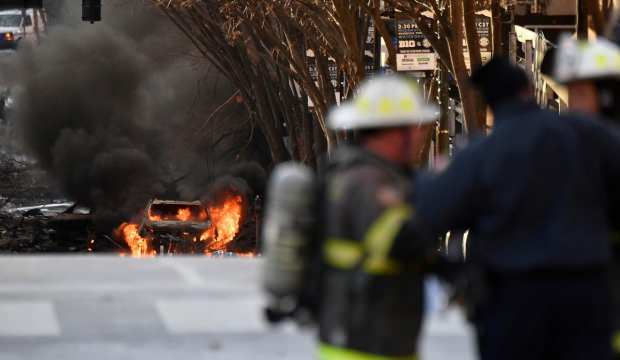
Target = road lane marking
(97,288)
(196,316)
(189,275)
(28,318)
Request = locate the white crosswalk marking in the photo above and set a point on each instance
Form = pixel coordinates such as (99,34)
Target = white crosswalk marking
(189,275)
(28,318)
(190,308)
(195,316)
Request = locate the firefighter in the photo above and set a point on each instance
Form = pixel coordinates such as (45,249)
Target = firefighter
(371,298)
(591,72)
(533,195)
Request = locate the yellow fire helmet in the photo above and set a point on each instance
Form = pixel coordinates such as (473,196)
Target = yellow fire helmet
(577,60)
(384,101)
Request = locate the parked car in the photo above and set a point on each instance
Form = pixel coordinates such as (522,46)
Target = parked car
(21,25)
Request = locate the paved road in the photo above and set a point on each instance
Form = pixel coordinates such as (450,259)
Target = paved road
(6,53)
(61,307)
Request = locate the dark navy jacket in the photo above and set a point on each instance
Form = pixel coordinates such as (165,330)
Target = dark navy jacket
(534,193)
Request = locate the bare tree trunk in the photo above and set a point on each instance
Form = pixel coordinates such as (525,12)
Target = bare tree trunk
(598,17)
(267,122)
(267,86)
(471,33)
(382,28)
(468,95)
(428,141)
(496,11)
(432,93)
(582,19)
(475,58)
(320,142)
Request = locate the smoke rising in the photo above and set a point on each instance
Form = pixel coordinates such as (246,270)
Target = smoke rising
(111,109)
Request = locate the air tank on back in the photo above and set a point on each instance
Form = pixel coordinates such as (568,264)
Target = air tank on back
(288,230)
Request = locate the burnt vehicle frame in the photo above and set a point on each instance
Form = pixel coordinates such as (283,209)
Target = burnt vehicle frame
(167,233)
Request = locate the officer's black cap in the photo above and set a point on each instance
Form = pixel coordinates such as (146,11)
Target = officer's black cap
(499,81)
(548,63)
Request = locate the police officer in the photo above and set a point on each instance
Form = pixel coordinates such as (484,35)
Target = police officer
(591,72)
(371,293)
(534,195)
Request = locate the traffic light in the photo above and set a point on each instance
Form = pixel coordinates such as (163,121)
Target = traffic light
(20,4)
(91,10)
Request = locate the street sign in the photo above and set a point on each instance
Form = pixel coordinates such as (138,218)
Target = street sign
(370,51)
(415,52)
(483,27)
(416,62)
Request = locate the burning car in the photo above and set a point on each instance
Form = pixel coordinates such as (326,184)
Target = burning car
(189,227)
(174,226)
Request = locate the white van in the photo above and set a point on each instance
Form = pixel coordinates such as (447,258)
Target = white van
(21,25)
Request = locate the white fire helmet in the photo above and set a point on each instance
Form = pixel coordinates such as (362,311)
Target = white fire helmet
(577,60)
(384,101)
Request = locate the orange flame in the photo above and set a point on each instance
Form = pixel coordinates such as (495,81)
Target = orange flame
(139,246)
(184,214)
(226,221)
(246,255)
(225,217)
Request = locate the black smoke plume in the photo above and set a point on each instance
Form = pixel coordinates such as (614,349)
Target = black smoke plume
(111,109)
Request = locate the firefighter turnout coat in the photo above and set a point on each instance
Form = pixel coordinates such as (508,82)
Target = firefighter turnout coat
(371,297)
